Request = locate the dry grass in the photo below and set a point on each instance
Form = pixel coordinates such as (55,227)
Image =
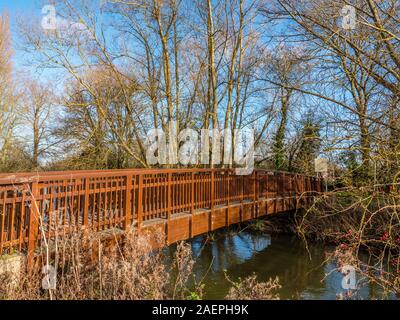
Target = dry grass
(87,269)
(251,289)
(126,268)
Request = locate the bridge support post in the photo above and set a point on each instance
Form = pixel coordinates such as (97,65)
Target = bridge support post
(274,182)
(169,208)
(284,192)
(140,202)
(85,221)
(296,192)
(266,193)
(241,199)
(191,203)
(255,194)
(33,224)
(211,200)
(227,222)
(128,201)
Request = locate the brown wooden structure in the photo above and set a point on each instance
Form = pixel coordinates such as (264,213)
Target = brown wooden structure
(180,202)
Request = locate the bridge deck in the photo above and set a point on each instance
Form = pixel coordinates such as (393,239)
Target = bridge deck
(180,202)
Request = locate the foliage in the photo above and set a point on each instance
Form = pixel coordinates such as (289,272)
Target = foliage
(250,289)
(359,220)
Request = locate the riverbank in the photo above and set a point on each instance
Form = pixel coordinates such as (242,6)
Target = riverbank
(361,224)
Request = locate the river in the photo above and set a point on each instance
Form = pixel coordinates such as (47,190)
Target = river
(303,274)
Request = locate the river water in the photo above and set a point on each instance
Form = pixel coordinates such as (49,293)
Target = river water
(303,274)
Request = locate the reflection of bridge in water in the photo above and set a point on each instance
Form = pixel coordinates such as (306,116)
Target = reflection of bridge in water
(247,252)
(304,273)
(181,203)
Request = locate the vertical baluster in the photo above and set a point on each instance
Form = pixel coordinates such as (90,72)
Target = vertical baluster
(255,194)
(128,201)
(140,201)
(85,221)
(192,193)
(78,206)
(158,198)
(187,188)
(12,221)
(3,215)
(144,196)
(100,184)
(228,196)
(21,223)
(107,215)
(212,189)
(169,196)
(117,201)
(196,190)
(150,196)
(242,190)
(266,192)
(64,188)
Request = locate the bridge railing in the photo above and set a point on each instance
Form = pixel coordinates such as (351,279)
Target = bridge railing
(41,206)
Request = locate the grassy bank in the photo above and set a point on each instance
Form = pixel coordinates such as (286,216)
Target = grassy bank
(83,268)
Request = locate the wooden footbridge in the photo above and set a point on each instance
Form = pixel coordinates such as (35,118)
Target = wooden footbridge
(180,203)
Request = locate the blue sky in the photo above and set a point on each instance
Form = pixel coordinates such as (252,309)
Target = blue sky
(13,6)
(18,9)
(15,9)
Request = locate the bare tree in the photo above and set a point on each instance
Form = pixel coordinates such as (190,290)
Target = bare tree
(36,115)
(355,65)
(8,100)
(286,68)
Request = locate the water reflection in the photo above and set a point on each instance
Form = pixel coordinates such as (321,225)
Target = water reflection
(227,251)
(300,271)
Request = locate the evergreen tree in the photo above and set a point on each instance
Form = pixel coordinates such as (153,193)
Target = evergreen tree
(309,147)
